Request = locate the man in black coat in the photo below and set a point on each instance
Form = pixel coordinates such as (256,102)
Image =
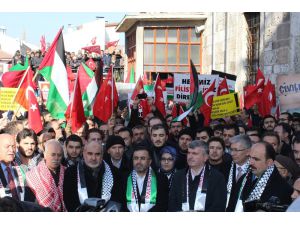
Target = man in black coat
(146,190)
(91,178)
(264,181)
(115,156)
(199,187)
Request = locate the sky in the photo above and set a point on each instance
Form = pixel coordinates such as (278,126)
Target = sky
(35,24)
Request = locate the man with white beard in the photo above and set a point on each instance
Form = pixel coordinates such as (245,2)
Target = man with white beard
(45,181)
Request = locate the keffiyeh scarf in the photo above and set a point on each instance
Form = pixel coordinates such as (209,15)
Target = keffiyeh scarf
(261,185)
(107,183)
(41,181)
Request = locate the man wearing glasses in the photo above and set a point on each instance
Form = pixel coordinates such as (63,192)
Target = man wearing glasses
(240,149)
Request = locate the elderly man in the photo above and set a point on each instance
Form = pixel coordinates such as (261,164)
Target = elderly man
(44,183)
(146,190)
(264,180)
(240,149)
(91,178)
(199,187)
(11,181)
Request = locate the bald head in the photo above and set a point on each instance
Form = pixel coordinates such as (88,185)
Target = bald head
(93,154)
(7,148)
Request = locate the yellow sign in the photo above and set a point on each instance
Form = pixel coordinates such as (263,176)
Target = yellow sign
(225,105)
(6,97)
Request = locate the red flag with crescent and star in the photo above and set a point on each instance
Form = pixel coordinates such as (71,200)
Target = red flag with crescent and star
(105,99)
(223,88)
(267,100)
(159,98)
(253,93)
(205,108)
(34,115)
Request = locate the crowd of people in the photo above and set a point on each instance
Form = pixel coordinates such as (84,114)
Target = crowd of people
(152,163)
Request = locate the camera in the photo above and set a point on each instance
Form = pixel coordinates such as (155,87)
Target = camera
(272,205)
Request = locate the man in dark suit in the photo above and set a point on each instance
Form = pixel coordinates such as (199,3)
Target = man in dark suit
(240,149)
(146,190)
(264,181)
(198,187)
(91,178)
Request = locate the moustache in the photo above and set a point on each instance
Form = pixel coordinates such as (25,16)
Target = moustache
(55,162)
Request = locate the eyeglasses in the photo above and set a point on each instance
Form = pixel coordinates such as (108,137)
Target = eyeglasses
(238,150)
(167,159)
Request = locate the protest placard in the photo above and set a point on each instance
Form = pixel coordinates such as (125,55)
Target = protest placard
(6,97)
(182,86)
(225,105)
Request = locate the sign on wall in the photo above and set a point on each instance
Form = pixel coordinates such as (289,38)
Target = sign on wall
(288,89)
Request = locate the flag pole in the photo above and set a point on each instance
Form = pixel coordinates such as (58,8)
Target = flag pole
(112,89)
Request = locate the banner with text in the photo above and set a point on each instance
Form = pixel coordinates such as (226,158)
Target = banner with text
(182,86)
(6,97)
(225,105)
(288,89)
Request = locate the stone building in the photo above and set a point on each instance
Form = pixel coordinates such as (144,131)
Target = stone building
(235,43)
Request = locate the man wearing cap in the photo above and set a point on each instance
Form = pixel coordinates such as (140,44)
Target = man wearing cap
(146,190)
(167,163)
(115,156)
(185,137)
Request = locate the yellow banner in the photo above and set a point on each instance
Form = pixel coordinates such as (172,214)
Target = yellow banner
(225,105)
(6,97)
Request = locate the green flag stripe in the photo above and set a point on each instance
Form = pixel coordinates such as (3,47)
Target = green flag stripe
(55,104)
(129,189)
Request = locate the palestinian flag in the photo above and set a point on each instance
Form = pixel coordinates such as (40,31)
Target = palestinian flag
(195,96)
(88,86)
(53,69)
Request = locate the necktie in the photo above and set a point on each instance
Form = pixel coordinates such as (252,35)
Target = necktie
(239,174)
(11,184)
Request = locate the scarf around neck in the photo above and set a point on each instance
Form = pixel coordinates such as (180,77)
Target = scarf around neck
(149,187)
(261,185)
(107,183)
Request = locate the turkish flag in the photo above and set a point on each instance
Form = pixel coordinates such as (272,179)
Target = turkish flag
(91,64)
(112,43)
(34,115)
(94,48)
(207,102)
(159,98)
(267,100)
(43,44)
(104,104)
(253,93)
(75,111)
(223,88)
(138,89)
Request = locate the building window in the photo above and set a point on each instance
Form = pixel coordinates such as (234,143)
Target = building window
(169,50)
(253,21)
